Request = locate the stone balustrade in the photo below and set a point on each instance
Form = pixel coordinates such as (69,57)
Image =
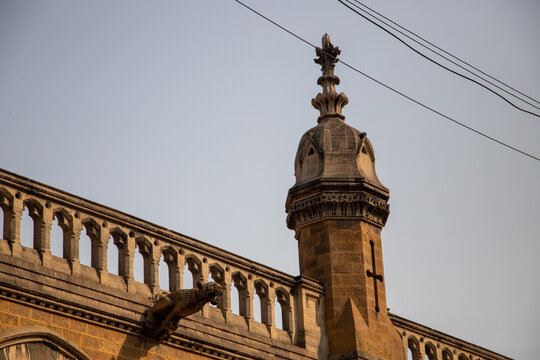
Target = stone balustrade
(299,298)
(423,343)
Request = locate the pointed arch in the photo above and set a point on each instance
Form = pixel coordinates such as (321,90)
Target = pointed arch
(65,219)
(217,273)
(365,147)
(93,230)
(6,198)
(261,290)
(307,144)
(431,350)
(119,236)
(241,286)
(309,160)
(145,247)
(41,340)
(120,239)
(447,354)
(170,255)
(193,265)
(170,258)
(35,211)
(414,345)
(283,298)
(35,206)
(91,226)
(6,204)
(65,222)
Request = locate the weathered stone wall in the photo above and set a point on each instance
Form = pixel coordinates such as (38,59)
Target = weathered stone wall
(96,340)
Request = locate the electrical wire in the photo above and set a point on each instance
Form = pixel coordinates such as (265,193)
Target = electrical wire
(444,51)
(392,89)
(39,154)
(437,53)
(442,66)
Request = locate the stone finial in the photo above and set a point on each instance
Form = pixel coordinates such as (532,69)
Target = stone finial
(329,103)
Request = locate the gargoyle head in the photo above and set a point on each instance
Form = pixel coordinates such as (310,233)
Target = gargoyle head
(162,319)
(211,292)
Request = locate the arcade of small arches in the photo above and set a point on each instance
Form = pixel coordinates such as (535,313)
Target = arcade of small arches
(88,245)
(420,348)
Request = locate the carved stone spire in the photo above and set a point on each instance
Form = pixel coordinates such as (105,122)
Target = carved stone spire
(329,103)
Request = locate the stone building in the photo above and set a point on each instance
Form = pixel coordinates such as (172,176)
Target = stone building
(54,307)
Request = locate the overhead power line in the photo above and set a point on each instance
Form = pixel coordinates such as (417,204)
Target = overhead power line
(390,88)
(444,51)
(30,141)
(439,64)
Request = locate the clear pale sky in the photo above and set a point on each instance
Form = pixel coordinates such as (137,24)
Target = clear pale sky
(188,114)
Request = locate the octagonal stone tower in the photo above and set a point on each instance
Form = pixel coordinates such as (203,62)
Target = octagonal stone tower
(337,209)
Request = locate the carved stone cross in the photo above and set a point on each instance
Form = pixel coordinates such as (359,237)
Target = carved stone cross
(374,275)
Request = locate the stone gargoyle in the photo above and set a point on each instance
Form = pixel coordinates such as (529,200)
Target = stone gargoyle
(162,318)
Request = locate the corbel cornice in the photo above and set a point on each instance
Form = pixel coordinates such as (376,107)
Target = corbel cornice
(337,205)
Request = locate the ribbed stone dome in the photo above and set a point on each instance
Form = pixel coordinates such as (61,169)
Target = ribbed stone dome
(333,150)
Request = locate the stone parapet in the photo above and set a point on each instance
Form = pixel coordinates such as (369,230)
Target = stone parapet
(38,279)
(423,343)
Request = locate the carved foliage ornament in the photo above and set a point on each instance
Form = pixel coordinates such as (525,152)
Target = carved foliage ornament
(329,102)
(162,319)
(335,205)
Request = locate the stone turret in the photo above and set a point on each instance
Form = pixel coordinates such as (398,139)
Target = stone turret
(337,209)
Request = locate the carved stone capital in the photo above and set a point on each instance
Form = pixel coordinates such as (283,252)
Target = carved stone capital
(331,204)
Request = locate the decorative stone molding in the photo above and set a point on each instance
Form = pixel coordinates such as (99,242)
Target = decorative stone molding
(325,205)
